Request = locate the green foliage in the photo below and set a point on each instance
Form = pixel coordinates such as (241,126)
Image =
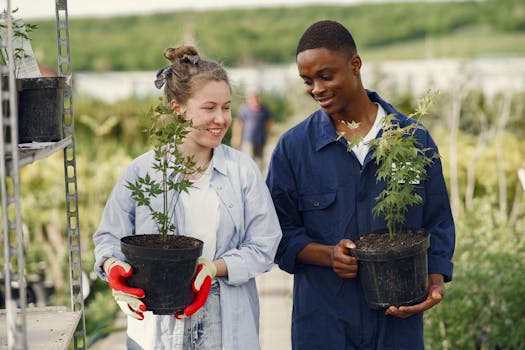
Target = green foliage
(355,139)
(166,132)
(480,113)
(240,37)
(277,105)
(483,305)
(21,33)
(117,123)
(505,15)
(402,165)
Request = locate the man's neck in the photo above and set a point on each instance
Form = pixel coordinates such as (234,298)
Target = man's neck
(358,123)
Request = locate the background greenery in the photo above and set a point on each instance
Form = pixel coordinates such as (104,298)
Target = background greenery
(482,308)
(269,35)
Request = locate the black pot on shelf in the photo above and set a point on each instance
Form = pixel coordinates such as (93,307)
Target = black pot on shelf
(40,109)
(398,277)
(163,269)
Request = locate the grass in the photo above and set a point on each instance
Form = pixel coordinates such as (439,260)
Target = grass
(461,45)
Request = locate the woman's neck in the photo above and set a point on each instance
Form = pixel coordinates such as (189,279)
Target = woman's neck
(201,155)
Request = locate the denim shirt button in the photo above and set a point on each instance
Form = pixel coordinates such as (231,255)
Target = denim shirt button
(315,203)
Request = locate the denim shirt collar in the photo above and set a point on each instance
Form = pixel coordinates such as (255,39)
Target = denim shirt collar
(219,160)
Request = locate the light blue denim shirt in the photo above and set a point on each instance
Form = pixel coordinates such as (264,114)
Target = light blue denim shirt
(247,236)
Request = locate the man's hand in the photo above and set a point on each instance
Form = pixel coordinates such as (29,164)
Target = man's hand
(344,265)
(127,298)
(206,271)
(436,292)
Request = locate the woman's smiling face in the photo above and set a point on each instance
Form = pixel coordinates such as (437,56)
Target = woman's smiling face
(209,108)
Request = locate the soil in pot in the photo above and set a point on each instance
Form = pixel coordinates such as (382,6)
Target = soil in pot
(393,271)
(163,269)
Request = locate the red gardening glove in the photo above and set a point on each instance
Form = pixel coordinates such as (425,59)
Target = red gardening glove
(127,298)
(201,286)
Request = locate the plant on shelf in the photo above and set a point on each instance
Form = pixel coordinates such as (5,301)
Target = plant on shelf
(167,132)
(40,99)
(22,52)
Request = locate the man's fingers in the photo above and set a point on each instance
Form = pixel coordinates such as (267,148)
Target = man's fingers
(437,295)
(342,256)
(349,244)
(346,245)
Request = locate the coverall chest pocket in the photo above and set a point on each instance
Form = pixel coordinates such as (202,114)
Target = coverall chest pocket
(318,215)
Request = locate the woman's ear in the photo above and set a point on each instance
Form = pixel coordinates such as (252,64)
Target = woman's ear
(177,107)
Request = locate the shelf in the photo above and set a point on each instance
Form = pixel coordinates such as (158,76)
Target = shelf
(48,328)
(31,152)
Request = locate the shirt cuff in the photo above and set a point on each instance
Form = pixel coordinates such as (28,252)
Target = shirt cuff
(441,265)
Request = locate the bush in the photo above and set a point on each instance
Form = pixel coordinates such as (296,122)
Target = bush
(483,305)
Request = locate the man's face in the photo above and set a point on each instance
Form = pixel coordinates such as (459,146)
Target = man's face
(330,77)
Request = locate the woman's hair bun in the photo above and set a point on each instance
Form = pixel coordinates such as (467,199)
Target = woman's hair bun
(174,53)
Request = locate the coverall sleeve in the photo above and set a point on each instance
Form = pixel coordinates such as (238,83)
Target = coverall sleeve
(438,220)
(281,183)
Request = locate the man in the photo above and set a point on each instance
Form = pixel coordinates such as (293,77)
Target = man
(251,127)
(324,197)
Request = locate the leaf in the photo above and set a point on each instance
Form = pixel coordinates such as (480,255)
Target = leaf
(167,130)
(402,165)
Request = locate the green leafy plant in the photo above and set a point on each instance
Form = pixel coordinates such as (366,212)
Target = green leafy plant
(402,165)
(21,33)
(167,132)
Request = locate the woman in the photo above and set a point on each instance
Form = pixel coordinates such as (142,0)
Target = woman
(229,199)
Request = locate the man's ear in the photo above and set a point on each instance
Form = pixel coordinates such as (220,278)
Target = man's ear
(355,63)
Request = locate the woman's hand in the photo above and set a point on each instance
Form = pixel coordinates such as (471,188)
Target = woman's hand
(127,298)
(206,272)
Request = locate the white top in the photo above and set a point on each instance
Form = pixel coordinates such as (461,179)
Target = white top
(361,149)
(201,213)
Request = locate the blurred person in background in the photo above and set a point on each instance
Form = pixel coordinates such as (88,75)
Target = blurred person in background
(252,126)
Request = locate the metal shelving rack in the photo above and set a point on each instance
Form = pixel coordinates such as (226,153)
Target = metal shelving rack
(49,327)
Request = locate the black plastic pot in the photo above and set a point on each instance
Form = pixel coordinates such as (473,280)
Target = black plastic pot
(399,277)
(164,270)
(40,109)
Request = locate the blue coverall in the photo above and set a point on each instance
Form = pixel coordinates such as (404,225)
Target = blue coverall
(322,194)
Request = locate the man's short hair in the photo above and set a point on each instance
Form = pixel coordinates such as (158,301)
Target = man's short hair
(327,34)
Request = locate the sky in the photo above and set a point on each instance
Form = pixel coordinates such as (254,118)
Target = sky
(30,9)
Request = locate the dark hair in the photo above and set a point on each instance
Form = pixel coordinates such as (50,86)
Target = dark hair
(187,70)
(327,34)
